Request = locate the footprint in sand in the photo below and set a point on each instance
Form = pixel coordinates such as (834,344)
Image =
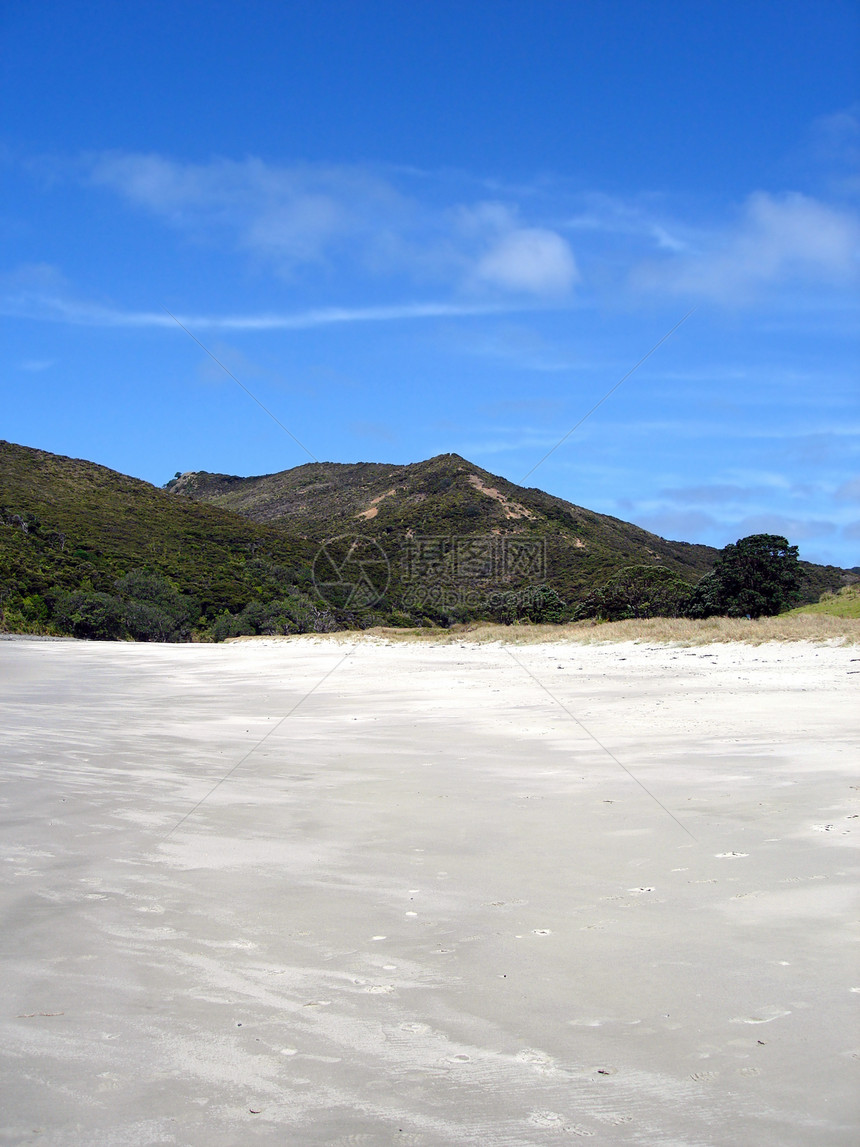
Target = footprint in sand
(539,1060)
(763,1016)
(724,855)
(546,1119)
(703,1076)
(639,891)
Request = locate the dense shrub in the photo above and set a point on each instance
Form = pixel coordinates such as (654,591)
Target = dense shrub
(91,614)
(638,591)
(153,609)
(293,614)
(758,576)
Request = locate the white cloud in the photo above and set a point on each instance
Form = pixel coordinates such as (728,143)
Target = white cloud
(503,254)
(356,223)
(291,214)
(297,215)
(636,220)
(529,259)
(778,240)
(34,305)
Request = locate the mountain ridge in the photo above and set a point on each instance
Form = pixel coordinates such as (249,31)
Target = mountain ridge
(449,496)
(455,543)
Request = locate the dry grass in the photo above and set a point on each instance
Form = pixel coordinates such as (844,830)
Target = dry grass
(651,631)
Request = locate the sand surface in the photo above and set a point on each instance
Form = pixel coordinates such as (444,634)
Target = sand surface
(427,906)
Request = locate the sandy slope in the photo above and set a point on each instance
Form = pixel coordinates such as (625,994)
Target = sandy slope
(429,908)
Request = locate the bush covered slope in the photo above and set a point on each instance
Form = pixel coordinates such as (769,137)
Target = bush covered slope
(90,552)
(70,526)
(445,497)
(449,497)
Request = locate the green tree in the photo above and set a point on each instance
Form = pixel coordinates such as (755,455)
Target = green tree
(758,576)
(154,609)
(87,613)
(638,591)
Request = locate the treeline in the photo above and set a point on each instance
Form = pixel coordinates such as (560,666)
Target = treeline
(52,582)
(146,606)
(48,585)
(758,576)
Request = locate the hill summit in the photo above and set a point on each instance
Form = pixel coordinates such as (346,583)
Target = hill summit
(87,551)
(447,502)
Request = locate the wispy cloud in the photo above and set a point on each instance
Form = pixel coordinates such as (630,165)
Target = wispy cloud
(516,344)
(507,440)
(373,431)
(514,257)
(849,491)
(777,241)
(530,259)
(296,216)
(677,524)
(835,147)
(716,494)
(57,309)
(37,365)
(798,529)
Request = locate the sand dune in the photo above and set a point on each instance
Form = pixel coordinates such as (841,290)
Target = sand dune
(316,892)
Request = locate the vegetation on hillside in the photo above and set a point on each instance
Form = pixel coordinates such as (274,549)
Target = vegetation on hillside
(88,552)
(447,499)
(638,591)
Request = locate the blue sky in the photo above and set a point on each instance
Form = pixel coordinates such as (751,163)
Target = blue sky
(446,225)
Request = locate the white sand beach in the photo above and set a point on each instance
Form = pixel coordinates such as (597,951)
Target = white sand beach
(445,894)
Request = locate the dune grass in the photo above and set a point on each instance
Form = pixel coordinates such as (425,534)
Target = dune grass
(793,626)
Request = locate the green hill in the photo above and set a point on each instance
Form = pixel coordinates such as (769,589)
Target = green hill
(449,498)
(70,525)
(844,603)
(88,551)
